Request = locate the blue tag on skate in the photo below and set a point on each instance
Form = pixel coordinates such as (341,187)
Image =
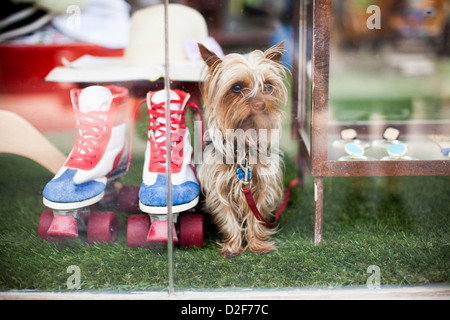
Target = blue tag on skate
(397,149)
(354,149)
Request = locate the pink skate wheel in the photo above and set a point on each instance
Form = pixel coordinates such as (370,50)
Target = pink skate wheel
(191,230)
(44,224)
(128,199)
(137,230)
(159,233)
(63,226)
(102,227)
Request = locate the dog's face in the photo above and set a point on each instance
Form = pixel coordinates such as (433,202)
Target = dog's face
(244,91)
(418,17)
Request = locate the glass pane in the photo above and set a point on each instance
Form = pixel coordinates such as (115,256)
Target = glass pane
(238,27)
(389,69)
(395,78)
(305,51)
(130,263)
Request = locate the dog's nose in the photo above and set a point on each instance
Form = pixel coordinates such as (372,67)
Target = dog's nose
(258,105)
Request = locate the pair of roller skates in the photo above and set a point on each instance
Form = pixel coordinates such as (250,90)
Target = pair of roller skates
(101,155)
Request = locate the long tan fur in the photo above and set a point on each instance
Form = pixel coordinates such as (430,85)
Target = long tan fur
(248,119)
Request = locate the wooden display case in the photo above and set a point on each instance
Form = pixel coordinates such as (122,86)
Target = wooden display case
(317,119)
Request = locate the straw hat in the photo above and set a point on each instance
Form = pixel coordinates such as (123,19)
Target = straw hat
(144,55)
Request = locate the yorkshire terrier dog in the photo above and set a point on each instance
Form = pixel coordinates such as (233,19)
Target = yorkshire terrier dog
(242,97)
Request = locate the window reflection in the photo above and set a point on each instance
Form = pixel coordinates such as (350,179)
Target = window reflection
(390,67)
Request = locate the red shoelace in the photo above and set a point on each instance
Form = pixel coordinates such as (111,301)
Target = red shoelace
(94,132)
(158,130)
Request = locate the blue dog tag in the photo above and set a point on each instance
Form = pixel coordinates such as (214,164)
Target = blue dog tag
(241,174)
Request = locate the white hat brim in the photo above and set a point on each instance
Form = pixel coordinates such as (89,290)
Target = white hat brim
(107,69)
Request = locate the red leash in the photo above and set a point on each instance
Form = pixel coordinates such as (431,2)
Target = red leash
(251,202)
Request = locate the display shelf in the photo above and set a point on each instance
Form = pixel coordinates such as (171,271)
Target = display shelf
(329,96)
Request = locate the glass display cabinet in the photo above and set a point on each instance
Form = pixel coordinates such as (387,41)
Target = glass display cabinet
(372,93)
(369,97)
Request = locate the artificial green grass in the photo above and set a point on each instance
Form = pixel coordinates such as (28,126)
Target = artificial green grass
(399,224)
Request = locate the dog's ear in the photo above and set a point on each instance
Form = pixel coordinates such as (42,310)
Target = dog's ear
(276,52)
(210,58)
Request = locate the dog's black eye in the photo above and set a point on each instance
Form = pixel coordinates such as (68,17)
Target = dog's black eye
(430,12)
(237,88)
(268,87)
